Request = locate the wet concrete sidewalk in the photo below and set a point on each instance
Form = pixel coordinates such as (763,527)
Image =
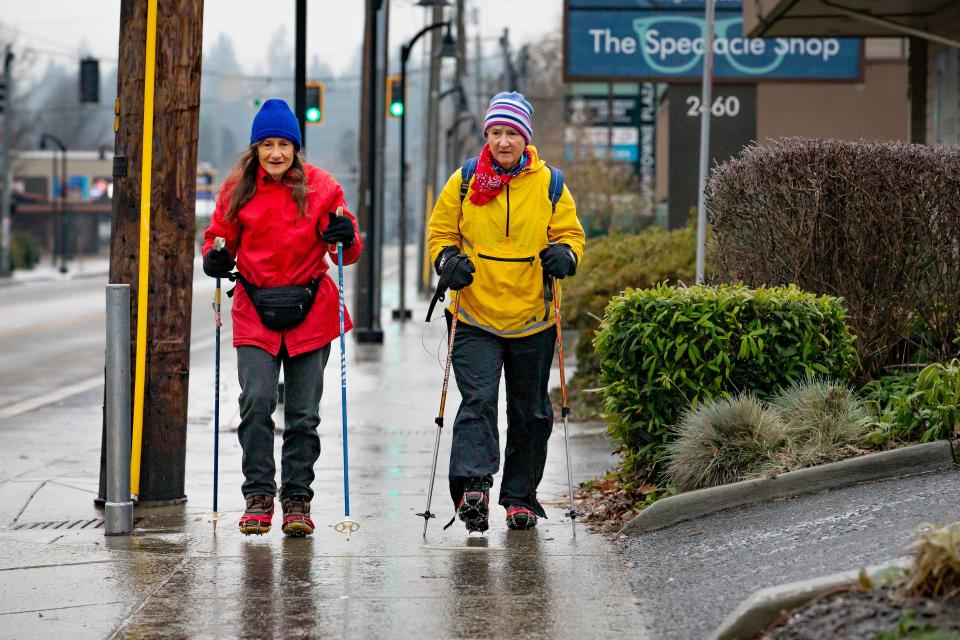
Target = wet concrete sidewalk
(175,578)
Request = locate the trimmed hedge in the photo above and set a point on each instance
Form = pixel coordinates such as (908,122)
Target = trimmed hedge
(665,349)
(877,224)
(610,265)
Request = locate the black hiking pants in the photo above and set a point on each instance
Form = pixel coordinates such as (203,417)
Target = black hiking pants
(259,373)
(478,358)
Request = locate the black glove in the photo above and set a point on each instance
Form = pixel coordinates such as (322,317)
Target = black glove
(455,268)
(339,229)
(217,263)
(558,261)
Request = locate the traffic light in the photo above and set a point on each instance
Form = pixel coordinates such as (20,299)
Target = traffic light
(395,103)
(314,106)
(3,94)
(89,80)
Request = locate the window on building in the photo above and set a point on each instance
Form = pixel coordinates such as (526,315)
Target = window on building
(946,97)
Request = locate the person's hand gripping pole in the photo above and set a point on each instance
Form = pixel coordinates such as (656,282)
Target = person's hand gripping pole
(347,525)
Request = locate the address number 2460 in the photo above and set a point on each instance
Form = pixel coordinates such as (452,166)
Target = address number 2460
(723,106)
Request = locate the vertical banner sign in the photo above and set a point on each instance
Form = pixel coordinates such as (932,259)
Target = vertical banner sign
(647,151)
(663,41)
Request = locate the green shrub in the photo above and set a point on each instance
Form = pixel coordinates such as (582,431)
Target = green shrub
(24,253)
(665,349)
(723,441)
(915,407)
(610,265)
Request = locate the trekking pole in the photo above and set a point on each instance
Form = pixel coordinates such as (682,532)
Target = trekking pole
(218,243)
(564,409)
(426,515)
(347,525)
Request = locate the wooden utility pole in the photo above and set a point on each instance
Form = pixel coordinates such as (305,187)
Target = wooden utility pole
(176,127)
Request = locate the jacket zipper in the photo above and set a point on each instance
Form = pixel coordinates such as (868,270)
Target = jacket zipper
(508,212)
(486,257)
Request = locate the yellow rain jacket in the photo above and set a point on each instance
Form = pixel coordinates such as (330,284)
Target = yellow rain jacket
(503,239)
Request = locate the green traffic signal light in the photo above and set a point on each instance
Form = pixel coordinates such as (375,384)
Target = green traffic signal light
(313,103)
(396,109)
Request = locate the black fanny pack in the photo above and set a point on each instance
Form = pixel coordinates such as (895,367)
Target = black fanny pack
(281,307)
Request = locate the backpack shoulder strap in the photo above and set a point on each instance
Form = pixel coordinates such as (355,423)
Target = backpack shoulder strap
(556,187)
(466,175)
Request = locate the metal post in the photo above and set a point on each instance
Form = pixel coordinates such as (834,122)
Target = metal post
(705,103)
(401,312)
(6,266)
(367,310)
(118,509)
(63,209)
(300,69)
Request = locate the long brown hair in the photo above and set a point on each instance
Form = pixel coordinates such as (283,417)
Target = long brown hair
(243,178)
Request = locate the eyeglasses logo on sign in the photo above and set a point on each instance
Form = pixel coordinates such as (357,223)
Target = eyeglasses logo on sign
(668,52)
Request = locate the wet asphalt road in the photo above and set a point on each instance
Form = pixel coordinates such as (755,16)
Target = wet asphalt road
(176,578)
(689,577)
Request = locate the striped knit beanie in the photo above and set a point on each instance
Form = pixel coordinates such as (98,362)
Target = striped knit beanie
(512,109)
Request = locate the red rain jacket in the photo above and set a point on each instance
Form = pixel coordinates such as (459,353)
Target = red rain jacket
(275,247)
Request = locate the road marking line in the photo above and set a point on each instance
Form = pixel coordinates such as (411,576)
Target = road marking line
(48,326)
(65,392)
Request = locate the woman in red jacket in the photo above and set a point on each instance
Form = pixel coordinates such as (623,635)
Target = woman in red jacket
(276,214)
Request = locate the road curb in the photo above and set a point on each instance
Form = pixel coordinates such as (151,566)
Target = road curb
(762,608)
(920,458)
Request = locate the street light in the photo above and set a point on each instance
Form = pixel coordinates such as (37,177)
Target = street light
(448,49)
(60,241)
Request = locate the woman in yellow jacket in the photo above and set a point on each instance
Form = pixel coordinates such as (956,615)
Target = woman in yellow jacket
(498,244)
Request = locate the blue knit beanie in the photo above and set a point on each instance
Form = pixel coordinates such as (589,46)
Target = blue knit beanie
(512,109)
(275,120)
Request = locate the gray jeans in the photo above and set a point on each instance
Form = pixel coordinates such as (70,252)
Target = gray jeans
(478,358)
(303,385)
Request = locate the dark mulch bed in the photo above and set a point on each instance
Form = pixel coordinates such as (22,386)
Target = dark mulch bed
(609,504)
(863,613)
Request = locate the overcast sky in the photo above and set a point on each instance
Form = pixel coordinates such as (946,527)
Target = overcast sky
(61,29)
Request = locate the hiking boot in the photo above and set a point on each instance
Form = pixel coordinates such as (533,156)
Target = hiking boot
(296,516)
(474,507)
(257,516)
(520,518)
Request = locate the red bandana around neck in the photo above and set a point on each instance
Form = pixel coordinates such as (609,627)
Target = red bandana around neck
(487,183)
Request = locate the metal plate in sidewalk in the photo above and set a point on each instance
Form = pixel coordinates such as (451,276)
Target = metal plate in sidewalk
(89,524)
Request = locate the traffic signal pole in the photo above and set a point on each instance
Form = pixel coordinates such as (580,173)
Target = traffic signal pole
(370,210)
(300,70)
(402,313)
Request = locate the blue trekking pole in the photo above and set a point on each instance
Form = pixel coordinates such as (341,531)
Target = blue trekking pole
(347,525)
(218,243)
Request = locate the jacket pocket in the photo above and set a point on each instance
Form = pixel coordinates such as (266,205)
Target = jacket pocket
(508,287)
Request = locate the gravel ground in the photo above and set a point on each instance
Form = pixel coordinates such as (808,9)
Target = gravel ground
(865,614)
(690,576)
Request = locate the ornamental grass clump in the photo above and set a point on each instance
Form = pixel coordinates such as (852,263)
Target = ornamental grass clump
(823,419)
(723,441)
(936,563)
